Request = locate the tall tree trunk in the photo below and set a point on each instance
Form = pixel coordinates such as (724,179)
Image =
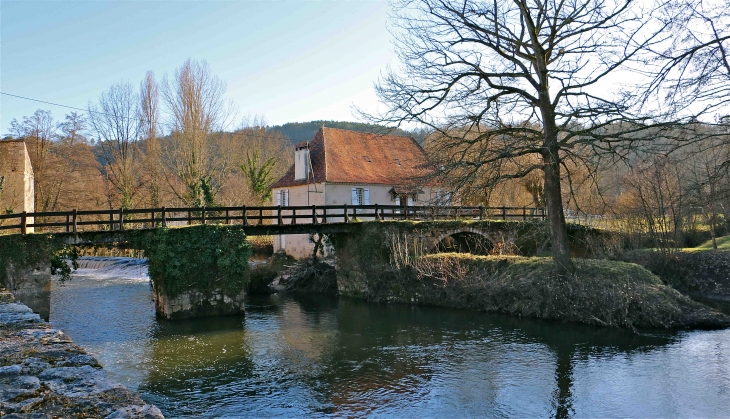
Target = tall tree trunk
(553,197)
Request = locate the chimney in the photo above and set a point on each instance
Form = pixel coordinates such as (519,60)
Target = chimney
(301,161)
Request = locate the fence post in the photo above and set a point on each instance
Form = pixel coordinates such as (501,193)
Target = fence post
(121,218)
(293,216)
(190,217)
(245,217)
(228,221)
(152,219)
(481,212)
(524,214)
(377,215)
(68,223)
(347,216)
(111,219)
(324,215)
(73,218)
(504,213)
(164,217)
(279,219)
(314,215)
(203,215)
(261,216)
(24,223)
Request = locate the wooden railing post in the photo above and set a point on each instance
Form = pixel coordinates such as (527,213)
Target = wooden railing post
(190,217)
(111,219)
(164,217)
(73,219)
(24,223)
(314,215)
(293,216)
(504,213)
(524,214)
(121,218)
(203,215)
(228,221)
(245,217)
(279,219)
(347,216)
(377,216)
(68,223)
(152,219)
(324,215)
(481,212)
(261,216)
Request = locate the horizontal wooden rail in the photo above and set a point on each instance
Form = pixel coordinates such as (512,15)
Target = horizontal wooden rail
(142,218)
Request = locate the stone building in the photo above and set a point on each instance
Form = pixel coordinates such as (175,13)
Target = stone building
(354,168)
(16,174)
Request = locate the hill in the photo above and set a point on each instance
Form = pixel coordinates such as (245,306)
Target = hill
(305,131)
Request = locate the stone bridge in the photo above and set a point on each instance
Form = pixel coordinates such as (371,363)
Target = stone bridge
(25,260)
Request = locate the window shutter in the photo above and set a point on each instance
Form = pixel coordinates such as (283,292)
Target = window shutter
(397,200)
(366,196)
(286,197)
(278,197)
(354,196)
(410,201)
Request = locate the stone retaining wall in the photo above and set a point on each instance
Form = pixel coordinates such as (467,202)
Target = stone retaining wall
(44,374)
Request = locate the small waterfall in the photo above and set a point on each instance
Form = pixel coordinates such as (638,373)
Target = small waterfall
(113,267)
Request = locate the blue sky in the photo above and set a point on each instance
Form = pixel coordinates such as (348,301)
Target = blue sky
(285,60)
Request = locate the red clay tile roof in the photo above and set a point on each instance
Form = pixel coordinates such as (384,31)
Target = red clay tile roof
(341,156)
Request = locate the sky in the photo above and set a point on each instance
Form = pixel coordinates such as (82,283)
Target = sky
(288,61)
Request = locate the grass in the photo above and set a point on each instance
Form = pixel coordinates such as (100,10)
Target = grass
(723,243)
(601,292)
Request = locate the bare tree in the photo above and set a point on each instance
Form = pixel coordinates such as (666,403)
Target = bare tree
(117,123)
(198,110)
(707,167)
(39,132)
(696,63)
(504,79)
(73,129)
(149,112)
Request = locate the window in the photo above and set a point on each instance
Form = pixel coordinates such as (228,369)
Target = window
(282,197)
(360,196)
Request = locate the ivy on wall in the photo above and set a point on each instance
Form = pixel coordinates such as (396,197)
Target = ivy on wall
(36,251)
(207,258)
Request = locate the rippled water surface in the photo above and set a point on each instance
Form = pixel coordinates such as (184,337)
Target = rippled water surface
(316,357)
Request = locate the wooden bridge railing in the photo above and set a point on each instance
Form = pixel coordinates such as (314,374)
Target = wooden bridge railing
(120,219)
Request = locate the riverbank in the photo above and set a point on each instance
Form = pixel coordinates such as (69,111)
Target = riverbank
(44,374)
(606,293)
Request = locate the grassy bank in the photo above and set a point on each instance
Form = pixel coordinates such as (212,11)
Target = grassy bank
(606,293)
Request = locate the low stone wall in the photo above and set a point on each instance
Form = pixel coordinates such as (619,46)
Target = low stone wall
(43,374)
(32,287)
(193,303)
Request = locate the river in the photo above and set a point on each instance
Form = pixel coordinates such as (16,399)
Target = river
(324,357)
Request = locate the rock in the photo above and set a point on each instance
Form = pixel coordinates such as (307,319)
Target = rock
(49,376)
(137,412)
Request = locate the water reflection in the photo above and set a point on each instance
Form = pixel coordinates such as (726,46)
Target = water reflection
(320,356)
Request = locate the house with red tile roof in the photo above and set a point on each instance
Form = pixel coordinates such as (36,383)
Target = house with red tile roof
(355,168)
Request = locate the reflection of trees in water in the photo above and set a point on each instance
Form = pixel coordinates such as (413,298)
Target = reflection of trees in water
(202,355)
(352,357)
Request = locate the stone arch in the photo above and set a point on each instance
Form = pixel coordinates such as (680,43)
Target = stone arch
(464,240)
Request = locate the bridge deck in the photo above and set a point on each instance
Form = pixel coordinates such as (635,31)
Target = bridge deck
(264,220)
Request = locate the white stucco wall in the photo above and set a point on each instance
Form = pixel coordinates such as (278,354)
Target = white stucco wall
(299,245)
